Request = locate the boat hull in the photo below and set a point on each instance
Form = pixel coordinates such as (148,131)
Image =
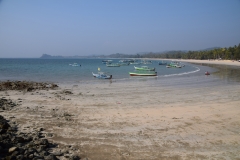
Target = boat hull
(144,69)
(112,65)
(207,73)
(142,74)
(101,76)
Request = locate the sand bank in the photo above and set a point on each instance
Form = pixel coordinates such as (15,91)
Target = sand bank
(135,120)
(220,62)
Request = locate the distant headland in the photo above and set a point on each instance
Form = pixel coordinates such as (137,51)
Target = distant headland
(47,56)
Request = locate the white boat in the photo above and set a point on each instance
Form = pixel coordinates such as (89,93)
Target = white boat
(102,75)
(75,65)
(113,65)
(106,61)
(174,65)
(146,62)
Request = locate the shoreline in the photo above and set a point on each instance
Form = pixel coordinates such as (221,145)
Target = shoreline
(137,120)
(217,62)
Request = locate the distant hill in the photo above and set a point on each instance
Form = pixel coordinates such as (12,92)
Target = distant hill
(46,56)
(122,55)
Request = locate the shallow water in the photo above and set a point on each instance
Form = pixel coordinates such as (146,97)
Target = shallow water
(59,71)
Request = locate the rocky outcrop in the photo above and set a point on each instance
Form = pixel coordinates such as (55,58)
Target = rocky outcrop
(30,145)
(33,145)
(6,104)
(26,86)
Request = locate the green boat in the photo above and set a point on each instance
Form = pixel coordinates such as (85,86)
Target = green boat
(144,68)
(173,65)
(143,73)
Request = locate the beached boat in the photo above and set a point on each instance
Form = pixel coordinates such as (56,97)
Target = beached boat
(75,65)
(113,65)
(102,75)
(143,73)
(144,68)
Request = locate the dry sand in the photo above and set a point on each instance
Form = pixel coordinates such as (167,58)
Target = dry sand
(221,62)
(135,120)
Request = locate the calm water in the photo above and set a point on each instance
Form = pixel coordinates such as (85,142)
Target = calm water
(59,71)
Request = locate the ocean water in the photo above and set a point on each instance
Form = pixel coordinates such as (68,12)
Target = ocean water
(59,70)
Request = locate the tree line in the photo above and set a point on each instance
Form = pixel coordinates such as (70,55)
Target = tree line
(230,53)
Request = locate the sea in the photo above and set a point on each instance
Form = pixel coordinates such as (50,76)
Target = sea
(60,71)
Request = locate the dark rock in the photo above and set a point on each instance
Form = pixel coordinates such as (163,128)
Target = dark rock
(19,157)
(57,153)
(18,140)
(15,153)
(44,142)
(74,157)
(43,153)
(31,150)
(3,126)
(40,129)
(50,157)
(42,147)
(23,146)
(31,156)
(36,154)
(25,86)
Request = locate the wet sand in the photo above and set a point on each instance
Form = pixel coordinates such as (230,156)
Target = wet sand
(135,120)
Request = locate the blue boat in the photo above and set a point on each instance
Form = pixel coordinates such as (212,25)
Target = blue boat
(162,63)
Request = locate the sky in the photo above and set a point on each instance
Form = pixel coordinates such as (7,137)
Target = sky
(30,28)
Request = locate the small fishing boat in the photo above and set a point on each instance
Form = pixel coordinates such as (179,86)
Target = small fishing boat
(146,62)
(162,63)
(75,65)
(168,66)
(136,63)
(124,63)
(144,68)
(102,75)
(207,73)
(106,61)
(173,65)
(113,65)
(143,73)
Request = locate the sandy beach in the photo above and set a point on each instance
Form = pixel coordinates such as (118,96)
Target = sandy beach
(135,120)
(218,62)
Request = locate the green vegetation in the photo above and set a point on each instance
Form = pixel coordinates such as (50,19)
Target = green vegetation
(231,53)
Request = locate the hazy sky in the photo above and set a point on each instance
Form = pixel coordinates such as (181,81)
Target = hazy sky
(30,28)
